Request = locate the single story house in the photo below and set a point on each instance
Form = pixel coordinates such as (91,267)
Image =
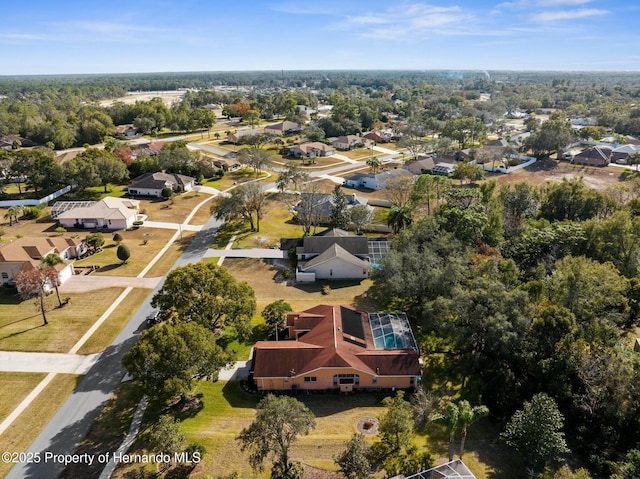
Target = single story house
(126,132)
(237,136)
(335,347)
(456,469)
(379,136)
(320,204)
(152,148)
(444,169)
(284,128)
(152,184)
(313,149)
(421,166)
(620,154)
(596,156)
(26,253)
(375,181)
(108,213)
(227,164)
(348,142)
(333,254)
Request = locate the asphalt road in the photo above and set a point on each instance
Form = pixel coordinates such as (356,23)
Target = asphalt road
(70,424)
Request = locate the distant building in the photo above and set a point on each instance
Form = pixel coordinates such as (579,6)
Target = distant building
(283,129)
(152,184)
(375,181)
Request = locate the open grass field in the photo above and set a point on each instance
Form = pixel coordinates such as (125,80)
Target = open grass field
(173,211)
(27,426)
(277,223)
(107,262)
(551,170)
(260,275)
(359,153)
(226,409)
(22,329)
(234,178)
(108,330)
(15,387)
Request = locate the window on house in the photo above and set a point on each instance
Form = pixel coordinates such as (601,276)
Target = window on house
(5,275)
(412,380)
(374,380)
(346,379)
(310,379)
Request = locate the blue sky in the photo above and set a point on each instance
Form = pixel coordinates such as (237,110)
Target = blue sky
(69,36)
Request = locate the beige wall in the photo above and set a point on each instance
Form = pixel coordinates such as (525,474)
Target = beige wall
(324,380)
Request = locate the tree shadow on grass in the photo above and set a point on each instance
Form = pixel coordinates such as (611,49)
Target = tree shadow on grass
(18,333)
(108,267)
(237,397)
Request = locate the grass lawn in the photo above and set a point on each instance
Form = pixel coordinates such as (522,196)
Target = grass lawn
(277,223)
(141,254)
(162,266)
(173,211)
(15,387)
(234,177)
(226,410)
(22,329)
(260,274)
(359,153)
(27,426)
(107,332)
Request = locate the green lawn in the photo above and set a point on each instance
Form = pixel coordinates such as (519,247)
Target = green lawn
(28,425)
(226,409)
(15,387)
(234,177)
(21,324)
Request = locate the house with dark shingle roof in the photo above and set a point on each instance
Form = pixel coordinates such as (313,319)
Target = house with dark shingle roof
(152,184)
(596,156)
(340,348)
(335,254)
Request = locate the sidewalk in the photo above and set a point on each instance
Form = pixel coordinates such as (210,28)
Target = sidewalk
(84,283)
(15,361)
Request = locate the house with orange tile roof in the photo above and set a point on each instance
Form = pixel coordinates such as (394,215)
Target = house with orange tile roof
(336,347)
(26,253)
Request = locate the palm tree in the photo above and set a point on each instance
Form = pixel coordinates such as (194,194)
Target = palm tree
(467,416)
(399,218)
(374,164)
(451,420)
(13,212)
(50,261)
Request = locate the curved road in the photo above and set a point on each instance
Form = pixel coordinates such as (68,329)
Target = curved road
(70,424)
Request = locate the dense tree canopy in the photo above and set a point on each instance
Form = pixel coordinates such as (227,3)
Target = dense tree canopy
(208,295)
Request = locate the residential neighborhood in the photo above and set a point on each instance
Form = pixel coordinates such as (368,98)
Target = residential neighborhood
(388,272)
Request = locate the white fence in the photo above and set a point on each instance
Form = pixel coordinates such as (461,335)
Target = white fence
(46,199)
(528,160)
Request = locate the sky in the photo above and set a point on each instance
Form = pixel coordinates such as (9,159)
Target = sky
(40,37)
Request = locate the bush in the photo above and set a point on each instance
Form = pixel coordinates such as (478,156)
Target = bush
(326,289)
(31,213)
(61,229)
(123,253)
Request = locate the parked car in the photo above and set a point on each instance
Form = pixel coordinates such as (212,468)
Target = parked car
(153,317)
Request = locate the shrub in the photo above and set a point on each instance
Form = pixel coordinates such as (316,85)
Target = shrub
(31,213)
(123,253)
(61,229)
(326,289)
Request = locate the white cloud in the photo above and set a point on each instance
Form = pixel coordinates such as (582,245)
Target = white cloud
(413,21)
(555,15)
